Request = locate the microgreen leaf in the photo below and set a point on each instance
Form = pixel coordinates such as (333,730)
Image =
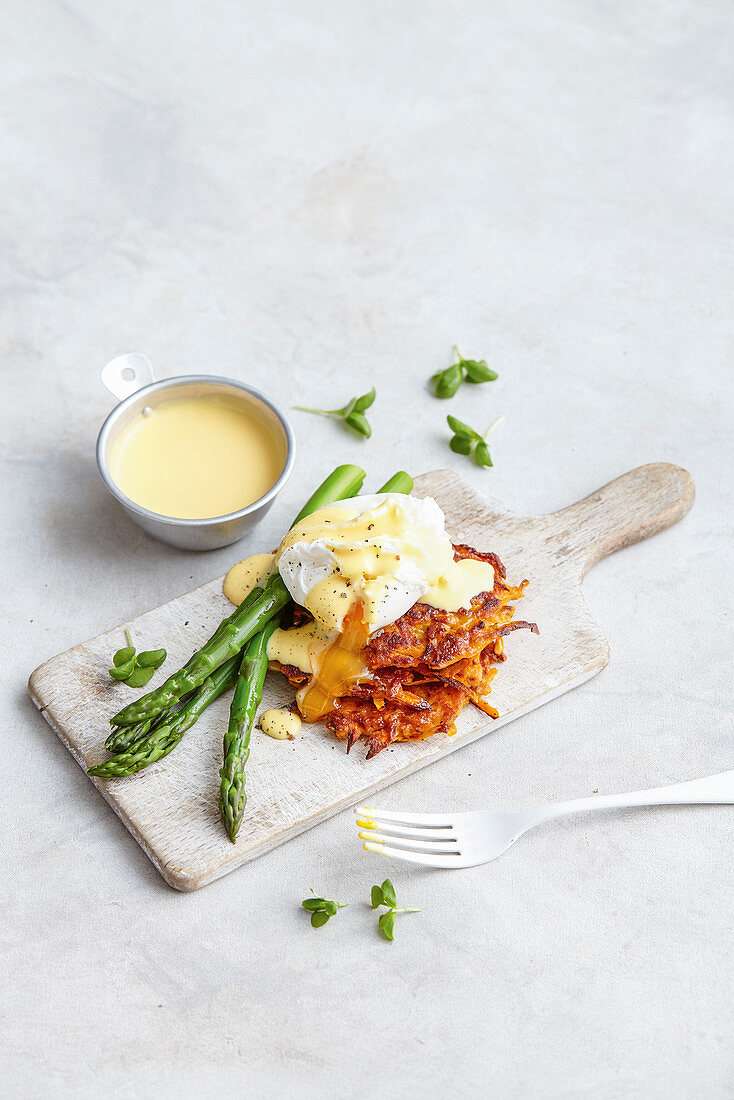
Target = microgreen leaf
(358,421)
(461,444)
(482,456)
(352,413)
(123,656)
(385,895)
(321,909)
(388,894)
(461,429)
(151,658)
(135,671)
(313,904)
(139,677)
(466,440)
(386,923)
(362,403)
(476,370)
(446,382)
(121,672)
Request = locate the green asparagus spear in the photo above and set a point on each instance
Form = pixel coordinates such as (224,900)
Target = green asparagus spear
(247,602)
(122,737)
(227,642)
(243,623)
(398,483)
(247,696)
(345,482)
(164,739)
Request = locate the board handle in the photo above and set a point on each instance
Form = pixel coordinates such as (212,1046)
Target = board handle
(627,510)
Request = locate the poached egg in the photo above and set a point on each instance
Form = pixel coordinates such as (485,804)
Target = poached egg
(384,552)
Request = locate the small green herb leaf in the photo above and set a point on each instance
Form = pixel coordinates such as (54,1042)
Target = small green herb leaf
(388,894)
(385,895)
(139,677)
(386,924)
(477,371)
(352,413)
(446,382)
(461,444)
(121,672)
(123,656)
(361,404)
(314,904)
(152,658)
(359,423)
(482,456)
(135,671)
(321,909)
(460,428)
(466,440)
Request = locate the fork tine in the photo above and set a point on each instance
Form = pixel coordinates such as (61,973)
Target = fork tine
(409,844)
(441,820)
(391,829)
(434,860)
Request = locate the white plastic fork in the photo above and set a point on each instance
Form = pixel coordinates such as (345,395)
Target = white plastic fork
(467,839)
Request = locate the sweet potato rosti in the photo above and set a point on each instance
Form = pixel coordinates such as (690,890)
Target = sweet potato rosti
(425,667)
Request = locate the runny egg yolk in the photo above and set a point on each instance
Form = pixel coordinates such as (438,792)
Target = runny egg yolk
(339,666)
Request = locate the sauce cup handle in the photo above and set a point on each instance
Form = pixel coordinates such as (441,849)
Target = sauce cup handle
(126,374)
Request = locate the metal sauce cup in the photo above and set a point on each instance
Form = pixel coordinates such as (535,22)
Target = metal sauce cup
(130,378)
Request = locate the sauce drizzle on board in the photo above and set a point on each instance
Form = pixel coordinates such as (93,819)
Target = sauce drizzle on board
(246,575)
(280,723)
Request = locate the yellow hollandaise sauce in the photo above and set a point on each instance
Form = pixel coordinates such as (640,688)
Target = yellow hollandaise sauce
(281,724)
(246,575)
(197,457)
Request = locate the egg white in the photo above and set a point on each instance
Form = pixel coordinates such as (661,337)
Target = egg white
(304,564)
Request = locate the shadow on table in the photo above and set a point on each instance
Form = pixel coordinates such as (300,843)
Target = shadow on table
(82,520)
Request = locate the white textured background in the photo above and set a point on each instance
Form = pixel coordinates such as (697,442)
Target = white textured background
(314,197)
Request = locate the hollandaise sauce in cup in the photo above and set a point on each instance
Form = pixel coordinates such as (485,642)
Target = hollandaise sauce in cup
(195,460)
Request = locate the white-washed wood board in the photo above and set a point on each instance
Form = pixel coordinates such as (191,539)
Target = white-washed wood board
(171,808)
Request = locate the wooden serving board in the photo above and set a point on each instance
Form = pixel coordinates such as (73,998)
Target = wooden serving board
(171,809)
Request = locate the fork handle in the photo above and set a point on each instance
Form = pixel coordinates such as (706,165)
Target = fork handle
(710,789)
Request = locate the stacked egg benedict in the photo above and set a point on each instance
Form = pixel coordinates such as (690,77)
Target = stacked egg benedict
(358,571)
